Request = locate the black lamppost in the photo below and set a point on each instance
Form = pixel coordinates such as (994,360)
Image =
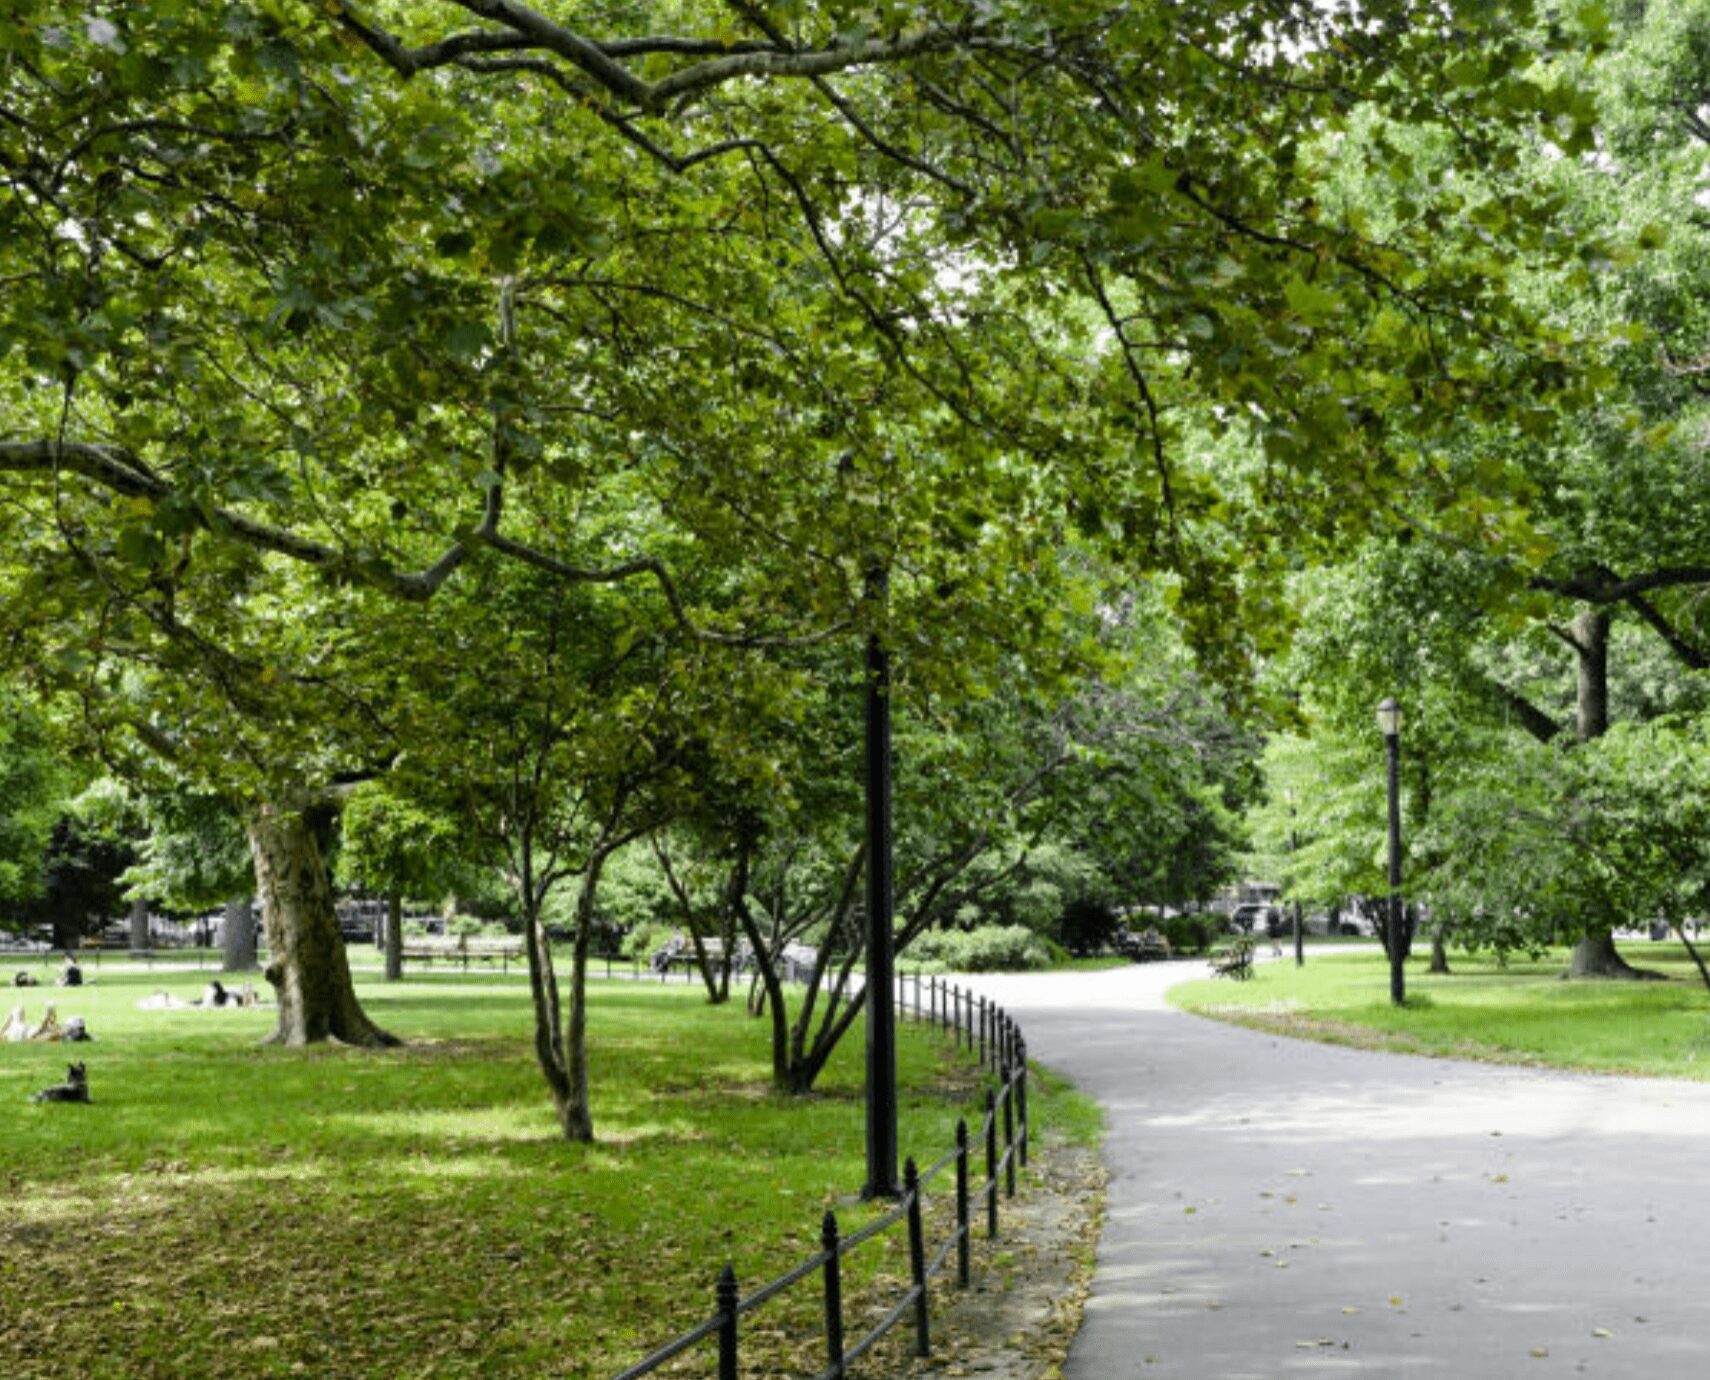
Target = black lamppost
(881,1016)
(1299,918)
(1389,724)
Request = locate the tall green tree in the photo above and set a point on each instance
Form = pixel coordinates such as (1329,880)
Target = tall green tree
(304,320)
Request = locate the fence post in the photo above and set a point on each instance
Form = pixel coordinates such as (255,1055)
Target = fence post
(964,1228)
(1008,1133)
(991,1164)
(727,1300)
(982,1032)
(833,1294)
(1021,1093)
(917,1259)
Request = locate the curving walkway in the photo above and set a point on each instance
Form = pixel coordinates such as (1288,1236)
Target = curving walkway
(1279,1209)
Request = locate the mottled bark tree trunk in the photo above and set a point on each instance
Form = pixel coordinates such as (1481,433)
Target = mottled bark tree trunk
(1595,955)
(307,964)
(1591,645)
(237,937)
(394,936)
(139,925)
(1439,948)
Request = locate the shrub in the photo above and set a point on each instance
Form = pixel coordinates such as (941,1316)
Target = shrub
(992,948)
(1191,934)
(1086,925)
(645,940)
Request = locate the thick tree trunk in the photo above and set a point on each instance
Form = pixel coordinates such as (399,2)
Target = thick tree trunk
(237,937)
(394,936)
(139,925)
(1591,644)
(307,964)
(1595,956)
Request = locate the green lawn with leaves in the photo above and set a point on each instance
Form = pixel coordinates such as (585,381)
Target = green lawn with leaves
(227,1209)
(1521,1012)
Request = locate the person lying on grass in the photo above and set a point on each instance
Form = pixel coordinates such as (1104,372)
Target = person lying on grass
(17,1027)
(213,995)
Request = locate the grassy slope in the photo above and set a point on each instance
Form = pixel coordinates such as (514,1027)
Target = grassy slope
(1521,1013)
(224,1209)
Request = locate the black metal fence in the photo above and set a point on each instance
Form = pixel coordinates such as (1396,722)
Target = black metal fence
(983,1027)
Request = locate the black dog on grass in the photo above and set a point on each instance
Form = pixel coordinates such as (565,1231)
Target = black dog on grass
(74,1089)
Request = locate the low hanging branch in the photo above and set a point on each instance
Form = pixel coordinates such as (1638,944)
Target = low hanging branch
(119,471)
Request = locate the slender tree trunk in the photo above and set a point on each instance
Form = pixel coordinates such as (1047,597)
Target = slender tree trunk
(577,1115)
(237,937)
(548,1025)
(394,936)
(1692,951)
(766,973)
(307,964)
(139,925)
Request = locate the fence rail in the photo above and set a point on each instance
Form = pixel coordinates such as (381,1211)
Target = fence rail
(975,1024)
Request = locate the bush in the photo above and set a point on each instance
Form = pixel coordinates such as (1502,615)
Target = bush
(990,949)
(1086,926)
(645,940)
(1191,934)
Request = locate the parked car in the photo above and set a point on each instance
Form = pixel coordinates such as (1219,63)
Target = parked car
(1251,915)
(1143,946)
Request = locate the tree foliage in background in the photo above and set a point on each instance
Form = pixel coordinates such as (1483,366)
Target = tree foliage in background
(31,793)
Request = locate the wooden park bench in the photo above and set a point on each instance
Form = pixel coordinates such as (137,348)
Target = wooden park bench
(463,948)
(1233,960)
(682,954)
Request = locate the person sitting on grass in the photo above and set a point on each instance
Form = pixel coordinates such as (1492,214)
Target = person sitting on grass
(71,975)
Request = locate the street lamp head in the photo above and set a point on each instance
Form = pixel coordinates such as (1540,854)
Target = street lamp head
(1389,718)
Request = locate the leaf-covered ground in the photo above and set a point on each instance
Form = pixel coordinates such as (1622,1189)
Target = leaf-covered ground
(223,1209)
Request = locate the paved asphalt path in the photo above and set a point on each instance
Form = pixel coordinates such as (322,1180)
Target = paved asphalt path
(1278,1208)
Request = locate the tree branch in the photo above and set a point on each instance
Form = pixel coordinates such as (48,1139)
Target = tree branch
(1688,654)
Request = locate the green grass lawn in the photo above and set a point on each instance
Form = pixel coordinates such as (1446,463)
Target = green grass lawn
(226,1209)
(1521,1013)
